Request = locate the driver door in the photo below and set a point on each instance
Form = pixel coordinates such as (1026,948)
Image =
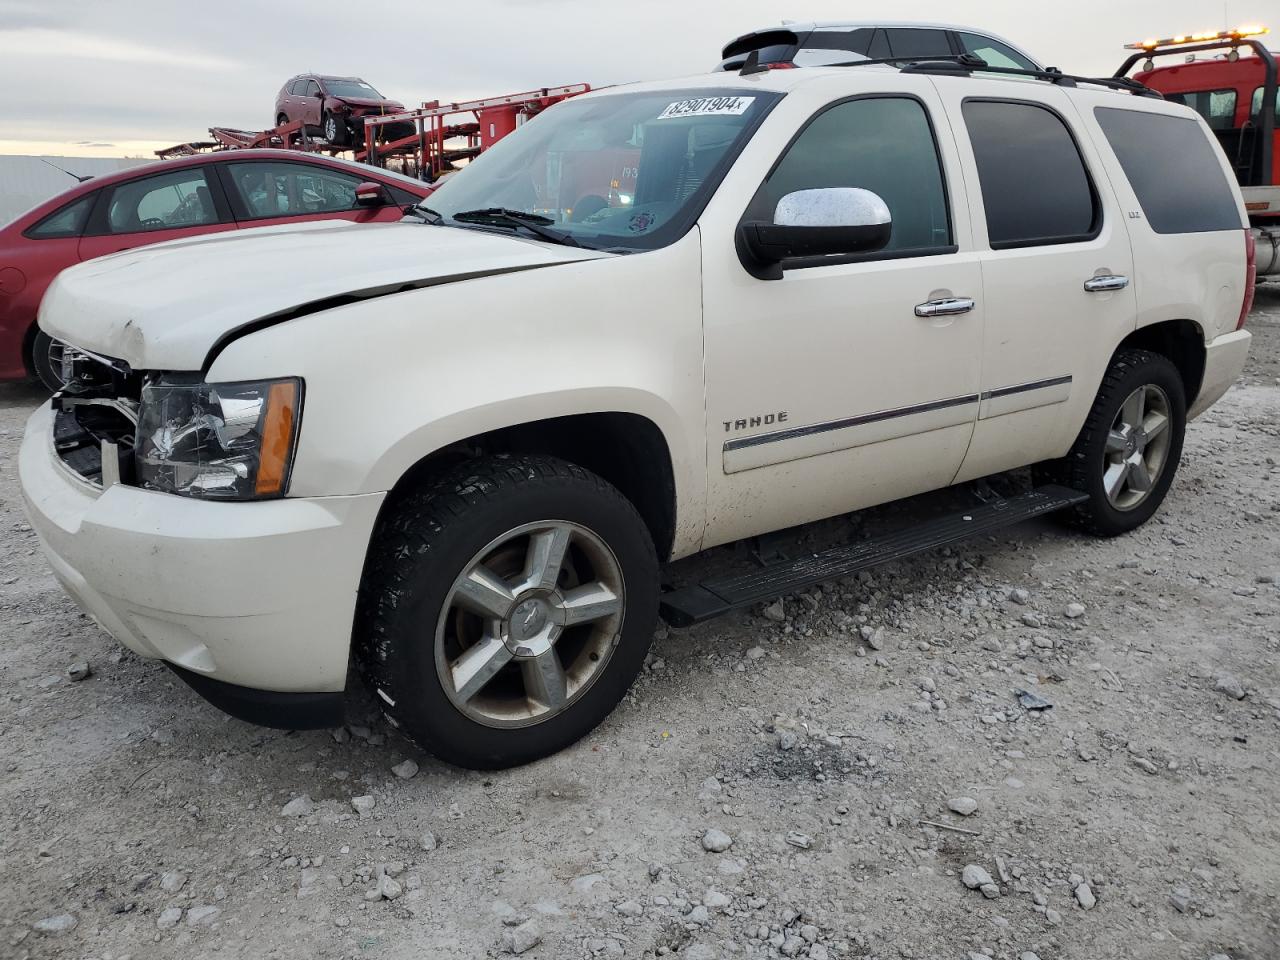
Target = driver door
(827,391)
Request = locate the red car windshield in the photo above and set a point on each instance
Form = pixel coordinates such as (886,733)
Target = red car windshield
(351,88)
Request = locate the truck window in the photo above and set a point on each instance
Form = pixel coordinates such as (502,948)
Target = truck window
(1218,107)
(1186,191)
(1255,109)
(883,144)
(1035,187)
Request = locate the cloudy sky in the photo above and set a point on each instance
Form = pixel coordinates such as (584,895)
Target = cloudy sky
(86,78)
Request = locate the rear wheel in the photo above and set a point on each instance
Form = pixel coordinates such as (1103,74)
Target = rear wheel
(506,609)
(46,360)
(1129,448)
(281,120)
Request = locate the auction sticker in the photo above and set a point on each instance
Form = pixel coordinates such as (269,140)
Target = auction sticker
(707,107)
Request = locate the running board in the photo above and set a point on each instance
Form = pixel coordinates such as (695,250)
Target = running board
(711,598)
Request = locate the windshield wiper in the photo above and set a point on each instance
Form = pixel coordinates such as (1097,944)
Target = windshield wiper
(535,223)
(425,214)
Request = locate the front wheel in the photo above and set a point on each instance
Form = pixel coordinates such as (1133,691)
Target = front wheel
(1129,448)
(506,609)
(334,128)
(46,360)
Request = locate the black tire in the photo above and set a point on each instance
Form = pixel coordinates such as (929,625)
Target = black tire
(339,134)
(1083,467)
(427,539)
(43,347)
(281,120)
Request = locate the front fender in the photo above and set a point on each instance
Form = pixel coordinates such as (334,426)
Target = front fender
(392,380)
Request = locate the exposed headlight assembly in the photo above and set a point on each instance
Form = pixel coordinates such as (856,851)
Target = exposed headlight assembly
(218,441)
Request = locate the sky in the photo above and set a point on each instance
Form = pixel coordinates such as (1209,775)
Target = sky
(123,78)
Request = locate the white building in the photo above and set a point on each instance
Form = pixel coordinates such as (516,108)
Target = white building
(26,181)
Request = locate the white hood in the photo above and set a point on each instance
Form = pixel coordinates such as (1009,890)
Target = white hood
(162,307)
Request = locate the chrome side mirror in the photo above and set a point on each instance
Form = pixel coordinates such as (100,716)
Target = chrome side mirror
(827,221)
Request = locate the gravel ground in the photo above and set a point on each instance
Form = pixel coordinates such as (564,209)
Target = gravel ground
(846,774)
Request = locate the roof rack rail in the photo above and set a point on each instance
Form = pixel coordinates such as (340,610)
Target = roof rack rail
(968,63)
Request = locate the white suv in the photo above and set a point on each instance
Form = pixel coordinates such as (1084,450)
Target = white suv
(455,450)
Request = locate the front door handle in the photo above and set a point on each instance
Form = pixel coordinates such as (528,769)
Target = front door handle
(946,307)
(1108,283)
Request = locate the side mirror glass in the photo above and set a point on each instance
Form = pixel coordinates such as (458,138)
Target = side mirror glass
(827,221)
(371,194)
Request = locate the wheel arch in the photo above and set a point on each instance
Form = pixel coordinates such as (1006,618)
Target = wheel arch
(627,449)
(1182,342)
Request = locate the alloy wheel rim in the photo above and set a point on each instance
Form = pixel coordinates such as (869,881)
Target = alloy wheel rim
(54,355)
(330,129)
(1137,447)
(529,624)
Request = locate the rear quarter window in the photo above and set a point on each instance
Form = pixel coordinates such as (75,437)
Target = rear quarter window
(1174,170)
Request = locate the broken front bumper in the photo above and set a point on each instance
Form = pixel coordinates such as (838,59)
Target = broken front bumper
(258,595)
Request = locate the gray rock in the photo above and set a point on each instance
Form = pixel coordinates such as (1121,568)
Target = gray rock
(1031,620)
(521,939)
(363,805)
(974,877)
(80,670)
(818,952)
(202,916)
(1020,596)
(1074,611)
(715,900)
(716,841)
(173,881)
(755,653)
(584,883)
(876,640)
(428,841)
(1181,899)
(1053,916)
(1230,686)
(169,918)
(965,806)
(1146,766)
(1028,955)
(798,839)
(786,740)
(1084,896)
(299,806)
(775,612)
(405,770)
(698,951)
(698,915)
(629,908)
(58,923)
(990,890)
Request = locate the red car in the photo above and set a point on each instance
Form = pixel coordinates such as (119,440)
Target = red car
(169,200)
(335,107)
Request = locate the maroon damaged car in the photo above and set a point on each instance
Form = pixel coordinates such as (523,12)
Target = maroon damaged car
(335,107)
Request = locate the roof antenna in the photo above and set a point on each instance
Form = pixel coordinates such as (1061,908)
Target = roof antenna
(81,177)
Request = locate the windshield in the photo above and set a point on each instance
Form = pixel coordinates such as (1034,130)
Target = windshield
(351,88)
(630,170)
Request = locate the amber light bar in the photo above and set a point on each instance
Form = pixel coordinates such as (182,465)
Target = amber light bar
(1240,33)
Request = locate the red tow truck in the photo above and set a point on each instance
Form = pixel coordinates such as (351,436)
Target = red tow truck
(1229,78)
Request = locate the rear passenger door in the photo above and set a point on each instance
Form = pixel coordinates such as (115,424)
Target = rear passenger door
(183,202)
(1056,267)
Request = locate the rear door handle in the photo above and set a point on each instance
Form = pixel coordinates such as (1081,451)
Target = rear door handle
(947,307)
(1107,283)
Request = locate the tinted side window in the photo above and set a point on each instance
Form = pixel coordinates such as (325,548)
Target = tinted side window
(1186,191)
(1034,184)
(883,144)
(312,90)
(285,189)
(67,222)
(170,200)
(912,42)
(297,88)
